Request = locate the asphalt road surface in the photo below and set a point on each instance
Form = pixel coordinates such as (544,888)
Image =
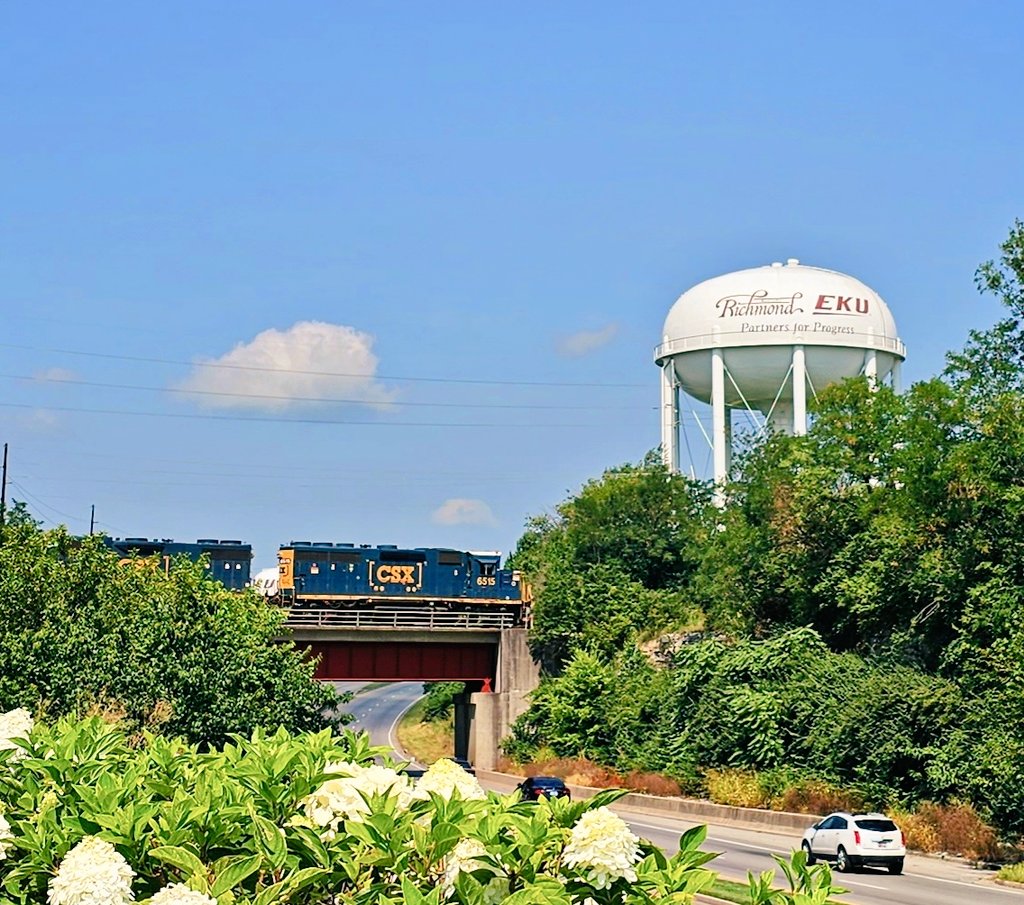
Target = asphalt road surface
(925,881)
(378,709)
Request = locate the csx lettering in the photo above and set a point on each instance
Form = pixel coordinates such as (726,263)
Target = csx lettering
(396,574)
(837,304)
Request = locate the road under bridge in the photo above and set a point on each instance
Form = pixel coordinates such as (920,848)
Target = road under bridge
(495,664)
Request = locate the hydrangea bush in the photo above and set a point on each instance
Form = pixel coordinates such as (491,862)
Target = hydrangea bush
(90,816)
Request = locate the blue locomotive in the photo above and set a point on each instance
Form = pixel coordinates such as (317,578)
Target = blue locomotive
(229,561)
(330,575)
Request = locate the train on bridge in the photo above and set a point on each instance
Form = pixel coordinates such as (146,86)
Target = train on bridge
(227,561)
(323,583)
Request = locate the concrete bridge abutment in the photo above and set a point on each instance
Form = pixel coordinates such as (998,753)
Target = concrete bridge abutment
(489,715)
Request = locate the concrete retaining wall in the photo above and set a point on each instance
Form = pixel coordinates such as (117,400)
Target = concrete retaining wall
(701,811)
(784,822)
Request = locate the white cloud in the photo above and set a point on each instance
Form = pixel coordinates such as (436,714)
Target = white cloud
(463,512)
(297,365)
(576,345)
(58,375)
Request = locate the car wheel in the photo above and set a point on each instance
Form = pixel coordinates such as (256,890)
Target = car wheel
(896,867)
(811,860)
(843,863)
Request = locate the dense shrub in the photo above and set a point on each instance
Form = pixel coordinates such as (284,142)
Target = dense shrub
(814,796)
(176,651)
(781,722)
(651,783)
(954,828)
(739,788)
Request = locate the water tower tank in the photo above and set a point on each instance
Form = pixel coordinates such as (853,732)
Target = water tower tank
(762,338)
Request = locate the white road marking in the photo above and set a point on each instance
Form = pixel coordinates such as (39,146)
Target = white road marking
(974,885)
(760,848)
(392,739)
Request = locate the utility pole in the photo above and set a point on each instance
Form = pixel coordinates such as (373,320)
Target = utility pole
(3,489)
(92,519)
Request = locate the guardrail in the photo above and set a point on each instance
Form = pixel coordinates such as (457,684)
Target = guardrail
(400,617)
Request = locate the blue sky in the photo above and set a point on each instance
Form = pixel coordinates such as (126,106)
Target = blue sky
(480,213)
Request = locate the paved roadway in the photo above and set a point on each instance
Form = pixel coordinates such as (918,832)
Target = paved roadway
(377,710)
(925,881)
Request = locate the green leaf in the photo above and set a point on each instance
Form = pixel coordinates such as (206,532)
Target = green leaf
(281,891)
(411,893)
(181,858)
(234,873)
(270,840)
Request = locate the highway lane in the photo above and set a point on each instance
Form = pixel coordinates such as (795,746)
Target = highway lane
(378,709)
(926,881)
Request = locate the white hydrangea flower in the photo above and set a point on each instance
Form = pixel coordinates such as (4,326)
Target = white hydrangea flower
(345,798)
(180,894)
(14,724)
(461,858)
(445,777)
(92,873)
(603,848)
(5,837)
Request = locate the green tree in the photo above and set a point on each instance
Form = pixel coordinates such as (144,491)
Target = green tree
(17,516)
(992,362)
(177,652)
(613,560)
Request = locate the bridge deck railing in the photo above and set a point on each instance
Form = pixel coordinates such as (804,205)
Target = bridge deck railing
(399,617)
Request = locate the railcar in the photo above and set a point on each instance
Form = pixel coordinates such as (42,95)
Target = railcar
(229,561)
(323,574)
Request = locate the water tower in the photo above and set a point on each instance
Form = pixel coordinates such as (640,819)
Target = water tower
(761,340)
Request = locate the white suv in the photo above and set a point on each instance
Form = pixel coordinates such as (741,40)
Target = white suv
(855,839)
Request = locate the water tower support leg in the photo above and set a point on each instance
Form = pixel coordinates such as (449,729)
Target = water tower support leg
(719,439)
(871,367)
(799,392)
(728,440)
(669,416)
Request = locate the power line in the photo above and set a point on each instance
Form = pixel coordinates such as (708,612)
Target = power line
(259,419)
(267,469)
(321,399)
(210,364)
(211,479)
(39,502)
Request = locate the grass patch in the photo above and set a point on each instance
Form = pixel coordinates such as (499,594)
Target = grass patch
(1012,872)
(729,891)
(732,891)
(425,741)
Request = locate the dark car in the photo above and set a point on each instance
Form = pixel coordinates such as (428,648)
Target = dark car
(534,787)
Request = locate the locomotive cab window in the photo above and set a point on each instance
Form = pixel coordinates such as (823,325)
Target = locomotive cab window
(487,569)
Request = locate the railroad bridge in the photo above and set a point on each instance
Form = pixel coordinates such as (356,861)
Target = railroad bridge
(485,649)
